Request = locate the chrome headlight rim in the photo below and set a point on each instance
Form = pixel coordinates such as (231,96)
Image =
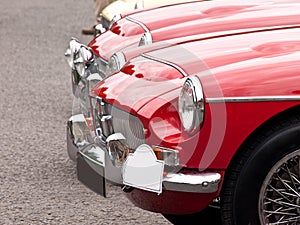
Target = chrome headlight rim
(146,39)
(82,59)
(72,49)
(191,101)
(115,63)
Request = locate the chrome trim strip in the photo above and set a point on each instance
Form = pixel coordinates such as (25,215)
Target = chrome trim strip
(254,99)
(166,62)
(138,23)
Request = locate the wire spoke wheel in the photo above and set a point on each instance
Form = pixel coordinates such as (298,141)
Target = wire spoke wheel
(279,198)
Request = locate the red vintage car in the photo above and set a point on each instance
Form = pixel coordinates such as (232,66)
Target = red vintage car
(210,118)
(108,52)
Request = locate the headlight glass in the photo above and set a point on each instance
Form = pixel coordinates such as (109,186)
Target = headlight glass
(146,39)
(116,62)
(191,105)
(82,58)
(72,49)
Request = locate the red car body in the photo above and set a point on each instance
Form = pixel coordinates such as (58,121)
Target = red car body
(246,57)
(237,102)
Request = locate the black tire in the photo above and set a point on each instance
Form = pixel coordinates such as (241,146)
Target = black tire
(250,169)
(208,216)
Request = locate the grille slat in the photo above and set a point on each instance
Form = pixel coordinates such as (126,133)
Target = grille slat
(130,126)
(122,122)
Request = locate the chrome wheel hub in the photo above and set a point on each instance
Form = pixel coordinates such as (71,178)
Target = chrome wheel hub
(279,198)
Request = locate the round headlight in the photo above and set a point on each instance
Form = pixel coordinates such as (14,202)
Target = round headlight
(191,105)
(139,4)
(72,49)
(82,58)
(116,62)
(146,39)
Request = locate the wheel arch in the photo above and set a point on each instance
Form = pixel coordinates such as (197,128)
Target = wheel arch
(241,173)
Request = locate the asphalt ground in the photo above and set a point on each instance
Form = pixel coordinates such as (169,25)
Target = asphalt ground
(38,183)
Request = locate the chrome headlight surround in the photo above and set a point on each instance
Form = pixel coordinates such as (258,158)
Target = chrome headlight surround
(139,4)
(99,29)
(146,39)
(191,105)
(82,58)
(115,63)
(72,49)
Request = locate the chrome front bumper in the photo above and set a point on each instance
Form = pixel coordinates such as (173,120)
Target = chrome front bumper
(96,156)
(80,143)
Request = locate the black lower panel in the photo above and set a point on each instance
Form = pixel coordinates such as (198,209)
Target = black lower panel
(89,177)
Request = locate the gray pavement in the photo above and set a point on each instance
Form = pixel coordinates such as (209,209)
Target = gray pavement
(38,183)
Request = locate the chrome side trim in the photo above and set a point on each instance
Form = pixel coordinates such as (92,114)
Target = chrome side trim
(254,99)
(166,62)
(196,183)
(138,23)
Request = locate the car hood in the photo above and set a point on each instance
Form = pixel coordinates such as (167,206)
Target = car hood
(234,66)
(182,20)
(141,80)
(241,65)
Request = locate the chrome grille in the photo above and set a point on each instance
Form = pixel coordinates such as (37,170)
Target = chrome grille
(130,126)
(110,120)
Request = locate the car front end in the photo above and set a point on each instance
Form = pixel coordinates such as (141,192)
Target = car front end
(145,152)
(180,125)
(166,126)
